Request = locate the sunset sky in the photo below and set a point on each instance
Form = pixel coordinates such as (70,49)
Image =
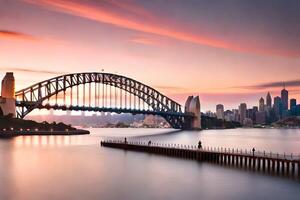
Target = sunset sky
(226,51)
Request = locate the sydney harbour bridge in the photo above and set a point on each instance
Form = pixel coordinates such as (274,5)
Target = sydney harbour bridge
(106,92)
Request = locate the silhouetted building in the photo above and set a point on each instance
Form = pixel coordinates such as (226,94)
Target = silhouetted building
(269,101)
(220,111)
(248,122)
(278,107)
(261,104)
(255,110)
(242,112)
(250,114)
(293,103)
(261,117)
(285,99)
(236,115)
(229,115)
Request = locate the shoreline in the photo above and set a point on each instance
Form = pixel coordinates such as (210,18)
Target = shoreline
(7,134)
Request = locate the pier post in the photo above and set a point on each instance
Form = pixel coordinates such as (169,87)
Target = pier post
(288,167)
(293,169)
(278,166)
(269,164)
(246,161)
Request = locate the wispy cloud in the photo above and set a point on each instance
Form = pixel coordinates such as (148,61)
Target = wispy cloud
(143,40)
(270,85)
(129,15)
(13,35)
(27,70)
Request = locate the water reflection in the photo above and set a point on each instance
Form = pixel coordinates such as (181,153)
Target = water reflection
(76,167)
(49,141)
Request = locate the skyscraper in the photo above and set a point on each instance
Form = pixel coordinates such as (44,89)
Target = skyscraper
(261,105)
(278,107)
(220,111)
(269,100)
(293,103)
(242,112)
(285,99)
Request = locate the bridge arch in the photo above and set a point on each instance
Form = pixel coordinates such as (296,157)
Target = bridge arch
(33,96)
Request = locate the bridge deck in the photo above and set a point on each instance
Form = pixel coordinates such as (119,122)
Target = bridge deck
(103,109)
(279,164)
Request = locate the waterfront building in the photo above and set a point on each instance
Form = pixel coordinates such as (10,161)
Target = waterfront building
(293,103)
(229,116)
(269,101)
(277,107)
(255,110)
(286,114)
(242,112)
(248,122)
(261,104)
(261,117)
(293,107)
(285,99)
(250,114)
(210,114)
(235,115)
(220,111)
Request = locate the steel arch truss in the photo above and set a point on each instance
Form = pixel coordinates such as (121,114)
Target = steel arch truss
(33,97)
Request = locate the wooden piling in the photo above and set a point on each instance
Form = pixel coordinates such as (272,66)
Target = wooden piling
(284,166)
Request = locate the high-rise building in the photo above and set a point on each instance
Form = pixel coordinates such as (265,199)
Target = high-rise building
(278,107)
(261,117)
(255,110)
(229,115)
(293,103)
(261,105)
(285,99)
(242,112)
(220,111)
(236,115)
(269,101)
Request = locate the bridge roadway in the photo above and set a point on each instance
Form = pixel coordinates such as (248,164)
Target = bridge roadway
(103,109)
(275,164)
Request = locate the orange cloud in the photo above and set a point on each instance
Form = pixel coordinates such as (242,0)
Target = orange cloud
(127,15)
(108,16)
(12,35)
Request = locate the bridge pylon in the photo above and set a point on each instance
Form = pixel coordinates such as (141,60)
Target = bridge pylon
(192,106)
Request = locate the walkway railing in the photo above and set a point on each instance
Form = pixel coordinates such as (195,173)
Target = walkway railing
(271,163)
(236,151)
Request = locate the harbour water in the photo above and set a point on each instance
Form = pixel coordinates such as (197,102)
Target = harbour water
(76,167)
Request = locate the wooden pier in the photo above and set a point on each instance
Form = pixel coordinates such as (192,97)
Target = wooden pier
(277,164)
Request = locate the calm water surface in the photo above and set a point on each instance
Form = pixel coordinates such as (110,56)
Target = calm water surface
(76,167)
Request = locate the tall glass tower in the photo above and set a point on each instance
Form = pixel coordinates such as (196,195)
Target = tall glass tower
(285,99)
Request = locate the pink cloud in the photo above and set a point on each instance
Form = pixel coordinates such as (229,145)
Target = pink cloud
(13,35)
(126,14)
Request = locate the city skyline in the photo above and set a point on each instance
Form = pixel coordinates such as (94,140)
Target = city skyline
(255,46)
(267,111)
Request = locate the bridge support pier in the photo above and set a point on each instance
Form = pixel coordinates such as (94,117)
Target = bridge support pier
(192,105)
(7,98)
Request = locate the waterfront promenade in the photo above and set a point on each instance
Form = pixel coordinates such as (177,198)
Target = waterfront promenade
(270,163)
